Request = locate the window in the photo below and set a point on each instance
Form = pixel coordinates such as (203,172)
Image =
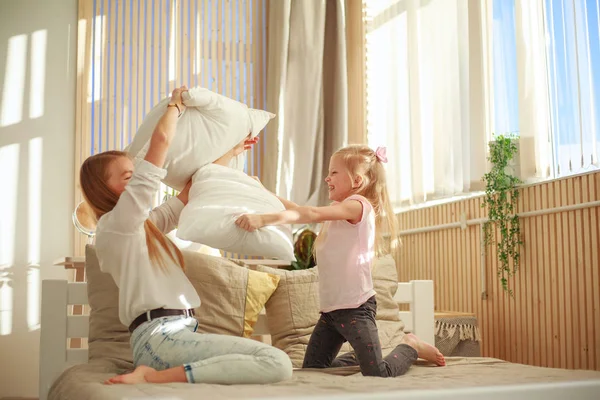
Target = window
(535,63)
(573,60)
(569,87)
(505,84)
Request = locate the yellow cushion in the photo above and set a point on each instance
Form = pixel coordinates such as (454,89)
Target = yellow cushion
(261,286)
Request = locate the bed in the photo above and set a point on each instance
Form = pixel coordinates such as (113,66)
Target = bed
(67,373)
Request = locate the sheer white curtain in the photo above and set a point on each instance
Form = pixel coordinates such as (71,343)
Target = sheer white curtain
(424,95)
(534,116)
(573,59)
(558,59)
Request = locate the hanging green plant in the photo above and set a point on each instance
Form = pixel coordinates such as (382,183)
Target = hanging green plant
(501,196)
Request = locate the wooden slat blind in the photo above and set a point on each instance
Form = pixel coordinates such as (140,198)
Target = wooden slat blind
(133,53)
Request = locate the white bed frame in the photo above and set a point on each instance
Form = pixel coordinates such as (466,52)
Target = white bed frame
(57,326)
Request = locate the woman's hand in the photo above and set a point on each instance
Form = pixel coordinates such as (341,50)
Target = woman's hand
(244,145)
(248,143)
(176,95)
(250,222)
(183,196)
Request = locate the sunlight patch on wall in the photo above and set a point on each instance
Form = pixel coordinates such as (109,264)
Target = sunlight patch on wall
(34,289)
(35,201)
(38,73)
(14,81)
(9,165)
(6,306)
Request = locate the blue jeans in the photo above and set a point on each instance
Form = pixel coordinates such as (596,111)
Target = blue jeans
(169,342)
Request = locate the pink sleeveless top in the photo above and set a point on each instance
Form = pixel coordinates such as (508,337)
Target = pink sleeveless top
(344,259)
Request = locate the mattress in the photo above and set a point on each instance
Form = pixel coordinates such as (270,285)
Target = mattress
(84,382)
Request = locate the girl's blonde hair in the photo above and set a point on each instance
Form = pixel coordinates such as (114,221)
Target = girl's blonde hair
(101,199)
(361,161)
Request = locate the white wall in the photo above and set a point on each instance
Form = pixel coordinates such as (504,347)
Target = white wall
(36,172)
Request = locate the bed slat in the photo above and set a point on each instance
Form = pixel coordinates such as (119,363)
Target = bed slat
(407,318)
(404,294)
(53,335)
(78,326)
(77,356)
(422,307)
(77,293)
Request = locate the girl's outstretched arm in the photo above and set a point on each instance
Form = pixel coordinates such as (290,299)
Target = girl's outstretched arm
(346,210)
(289,205)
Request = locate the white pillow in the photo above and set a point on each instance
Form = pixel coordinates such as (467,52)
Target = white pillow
(211,126)
(217,197)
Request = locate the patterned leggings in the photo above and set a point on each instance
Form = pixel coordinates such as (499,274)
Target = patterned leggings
(356,326)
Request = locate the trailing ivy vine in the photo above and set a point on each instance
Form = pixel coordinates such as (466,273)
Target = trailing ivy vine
(501,196)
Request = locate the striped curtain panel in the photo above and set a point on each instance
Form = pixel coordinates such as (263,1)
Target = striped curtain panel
(133,53)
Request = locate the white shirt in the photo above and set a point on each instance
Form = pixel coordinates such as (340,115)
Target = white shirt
(122,251)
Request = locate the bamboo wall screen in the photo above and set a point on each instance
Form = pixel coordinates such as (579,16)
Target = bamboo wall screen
(133,53)
(554,318)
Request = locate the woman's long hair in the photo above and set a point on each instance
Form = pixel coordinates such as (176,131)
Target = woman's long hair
(101,199)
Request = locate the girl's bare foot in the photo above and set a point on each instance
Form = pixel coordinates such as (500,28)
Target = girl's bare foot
(425,350)
(137,376)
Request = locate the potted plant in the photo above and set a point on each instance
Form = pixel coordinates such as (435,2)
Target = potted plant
(501,196)
(303,249)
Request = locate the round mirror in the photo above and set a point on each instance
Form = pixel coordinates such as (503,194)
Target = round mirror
(84,220)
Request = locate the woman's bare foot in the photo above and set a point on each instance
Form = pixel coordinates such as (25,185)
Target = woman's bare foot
(425,350)
(137,376)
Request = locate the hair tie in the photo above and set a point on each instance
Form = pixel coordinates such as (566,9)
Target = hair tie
(381,154)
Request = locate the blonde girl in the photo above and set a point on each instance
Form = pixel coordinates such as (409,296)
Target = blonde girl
(156,299)
(351,238)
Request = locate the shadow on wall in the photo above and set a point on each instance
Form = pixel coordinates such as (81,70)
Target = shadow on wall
(37,120)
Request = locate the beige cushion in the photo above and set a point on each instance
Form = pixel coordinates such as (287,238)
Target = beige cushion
(108,337)
(221,284)
(293,310)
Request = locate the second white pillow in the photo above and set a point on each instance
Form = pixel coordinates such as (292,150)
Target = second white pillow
(217,197)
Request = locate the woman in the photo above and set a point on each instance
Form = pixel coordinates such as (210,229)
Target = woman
(156,299)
